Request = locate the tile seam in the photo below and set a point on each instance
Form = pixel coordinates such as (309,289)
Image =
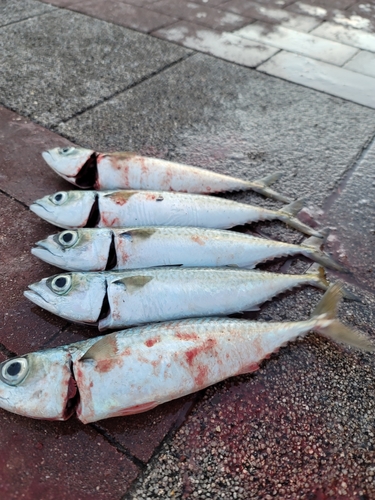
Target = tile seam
(15,199)
(30,17)
(55,127)
(8,353)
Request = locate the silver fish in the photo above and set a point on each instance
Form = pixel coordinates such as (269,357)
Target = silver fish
(90,170)
(118,299)
(104,249)
(73,209)
(135,370)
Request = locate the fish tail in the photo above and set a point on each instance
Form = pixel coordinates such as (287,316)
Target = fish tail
(327,324)
(261,186)
(311,249)
(319,280)
(287,214)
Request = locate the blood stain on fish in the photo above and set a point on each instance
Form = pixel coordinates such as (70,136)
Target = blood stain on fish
(187,336)
(151,342)
(198,240)
(191,354)
(201,377)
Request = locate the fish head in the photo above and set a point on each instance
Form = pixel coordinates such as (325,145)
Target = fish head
(38,385)
(77,297)
(73,164)
(76,249)
(67,208)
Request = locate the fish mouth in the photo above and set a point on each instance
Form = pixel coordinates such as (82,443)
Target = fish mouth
(39,300)
(45,254)
(33,207)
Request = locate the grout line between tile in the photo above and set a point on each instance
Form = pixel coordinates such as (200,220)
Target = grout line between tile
(348,174)
(129,87)
(30,17)
(7,352)
(14,199)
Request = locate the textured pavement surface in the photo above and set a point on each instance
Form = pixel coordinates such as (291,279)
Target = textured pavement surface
(114,76)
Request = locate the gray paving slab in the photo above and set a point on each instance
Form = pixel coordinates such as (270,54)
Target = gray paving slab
(12,11)
(318,75)
(230,119)
(363,62)
(67,62)
(345,35)
(352,213)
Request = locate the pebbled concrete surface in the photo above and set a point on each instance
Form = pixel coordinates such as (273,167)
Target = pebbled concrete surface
(67,62)
(12,11)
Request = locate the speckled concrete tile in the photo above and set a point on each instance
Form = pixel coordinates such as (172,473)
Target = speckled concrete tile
(351,212)
(349,36)
(224,45)
(200,14)
(322,76)
(299,43)
(59,461)
(273,15)
(363,62)
(118,12)
(241,6)
(12,11)
(223,117)
(299,427)
(67,62)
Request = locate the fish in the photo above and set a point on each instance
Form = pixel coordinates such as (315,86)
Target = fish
(74,209)
(135,370)
(104,249)
(117,299)
(101,171)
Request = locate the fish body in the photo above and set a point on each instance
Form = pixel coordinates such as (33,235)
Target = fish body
(103,249)
(124,298)
(135,370)
(90,170)
(73,209)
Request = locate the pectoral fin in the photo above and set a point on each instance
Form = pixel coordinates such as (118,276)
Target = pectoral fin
(133,283)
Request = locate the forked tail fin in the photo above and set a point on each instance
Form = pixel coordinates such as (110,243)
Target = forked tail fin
(287,215)
(327,324)
(262,186)
(311,249)
(319,280)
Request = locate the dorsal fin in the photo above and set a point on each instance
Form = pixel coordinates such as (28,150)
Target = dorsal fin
(133,283)
(105,348)
(142,233)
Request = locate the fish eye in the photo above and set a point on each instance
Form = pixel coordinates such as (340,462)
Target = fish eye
(14,371)
(67,150)
(61,283)
(68,238)
(59,198)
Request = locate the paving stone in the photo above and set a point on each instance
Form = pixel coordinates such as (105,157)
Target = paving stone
(122,14)
(300,43)
(241,6)
(59,3)
(272,15)
(141,434)
(224,45)
(299,427)
(363,62)
(82,61)
(332,4)
(12,11)
(351,212)
(24,174)
(321,76)
(59,461)
(24,327)
(200,14)
(216,115)
(349,36)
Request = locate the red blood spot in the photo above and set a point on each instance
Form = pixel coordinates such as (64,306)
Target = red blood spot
(198,240)
(201,377)
(150,196)
(127,352)
(106,365)
(151,342)
(193,353)
(248,369)
(72,388)
(187,336)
